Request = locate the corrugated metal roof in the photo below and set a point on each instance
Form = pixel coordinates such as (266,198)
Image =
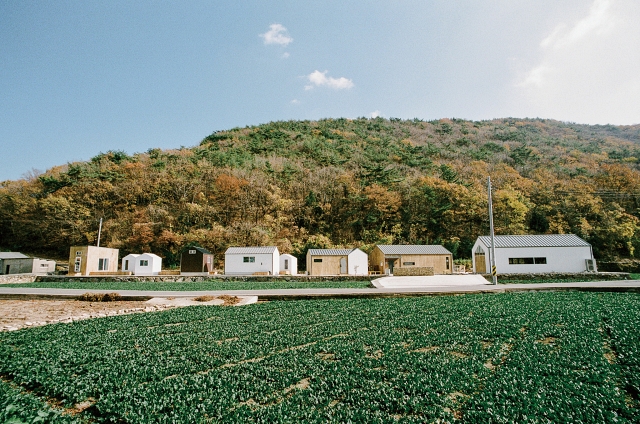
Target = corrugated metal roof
(540,240)
(251,250)
(12,255)
(330,252)
(413,249)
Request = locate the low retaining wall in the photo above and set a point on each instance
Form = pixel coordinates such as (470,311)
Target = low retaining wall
(413,271)
(17,278)
(583,276)
(200,278)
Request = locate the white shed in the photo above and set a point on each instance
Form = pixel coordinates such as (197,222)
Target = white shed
(252,260)
(288,264)
(142,264)
(523,254)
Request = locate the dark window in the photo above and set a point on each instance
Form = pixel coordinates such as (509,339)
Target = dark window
(144,263)
(103,264)
(408,263)
(541,260)
(447,262)
(317,260)
(521,261)
(286,264)
(249,259)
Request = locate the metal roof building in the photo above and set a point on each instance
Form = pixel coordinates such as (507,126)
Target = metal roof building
(385,258)
(252,260)
(337,262)
(540,253)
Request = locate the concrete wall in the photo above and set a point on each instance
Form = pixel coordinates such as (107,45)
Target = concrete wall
(43,266)
(264,262)
(17,266)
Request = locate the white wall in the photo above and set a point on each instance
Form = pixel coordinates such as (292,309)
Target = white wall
(293,264)
(132,258)
(358,263)
(559,259)
(43,266)
(154,264)
(265,262)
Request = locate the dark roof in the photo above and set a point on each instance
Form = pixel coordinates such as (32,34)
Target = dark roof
(199,249)
(413,249)
(539,240)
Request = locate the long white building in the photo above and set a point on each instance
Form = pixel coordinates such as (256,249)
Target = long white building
(524,254)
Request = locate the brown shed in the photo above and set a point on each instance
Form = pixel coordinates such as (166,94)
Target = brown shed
(385,258)
(196,259)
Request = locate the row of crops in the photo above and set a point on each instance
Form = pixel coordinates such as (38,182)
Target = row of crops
(527,357)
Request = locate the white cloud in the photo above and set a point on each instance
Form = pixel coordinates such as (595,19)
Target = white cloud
(295,102)
(586,68)
(285,55)
(374,114)
(277,34)
(317,79)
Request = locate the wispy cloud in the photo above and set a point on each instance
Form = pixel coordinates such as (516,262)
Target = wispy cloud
(586,69)
(598,20)
(374,114)
(318,79)
(277,34)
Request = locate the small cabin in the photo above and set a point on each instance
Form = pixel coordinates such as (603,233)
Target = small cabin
(288,264)
(84,260)
(18,263)
(254,260)
(337,262)
(142,264)
(384,259)
(196,260)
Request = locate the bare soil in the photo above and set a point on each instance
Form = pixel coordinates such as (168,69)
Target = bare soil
(25,313)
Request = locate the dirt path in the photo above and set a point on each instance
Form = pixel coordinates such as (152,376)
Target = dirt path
(15,314)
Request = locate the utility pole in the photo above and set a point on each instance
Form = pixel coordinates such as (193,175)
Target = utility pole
(99,231)
(494,272)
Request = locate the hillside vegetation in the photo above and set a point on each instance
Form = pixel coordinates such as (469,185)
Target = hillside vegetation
(340,183)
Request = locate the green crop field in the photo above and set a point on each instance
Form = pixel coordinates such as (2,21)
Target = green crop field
(525,357)
(194,286)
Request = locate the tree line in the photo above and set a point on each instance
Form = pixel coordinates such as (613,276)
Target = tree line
(340,183)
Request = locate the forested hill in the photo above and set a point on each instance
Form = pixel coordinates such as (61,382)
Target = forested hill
(340,183)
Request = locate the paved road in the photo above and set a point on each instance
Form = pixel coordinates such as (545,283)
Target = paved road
(292,294)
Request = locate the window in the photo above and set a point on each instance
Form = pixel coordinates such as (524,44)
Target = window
(447,261)
(249,259)
(103,264)
(408,263)
(126,265)
(527,261)
(317,260)
(144,263)
(77,264)
(43,265)
(286,264)
(192,252)
(79,253)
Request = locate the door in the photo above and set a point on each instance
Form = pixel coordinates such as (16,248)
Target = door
(481,265)
(343,265)
(7,269)
(390,263)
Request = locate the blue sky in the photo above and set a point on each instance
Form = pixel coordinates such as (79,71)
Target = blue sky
(82,77)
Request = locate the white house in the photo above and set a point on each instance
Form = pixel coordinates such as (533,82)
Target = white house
(534,254)
(252,260)
(337,262)
(142,264)
(288,264)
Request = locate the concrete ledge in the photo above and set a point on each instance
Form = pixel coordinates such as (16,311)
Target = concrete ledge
(17,278)
(200,278)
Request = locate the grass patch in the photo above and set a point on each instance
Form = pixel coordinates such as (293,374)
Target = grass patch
(194,286)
